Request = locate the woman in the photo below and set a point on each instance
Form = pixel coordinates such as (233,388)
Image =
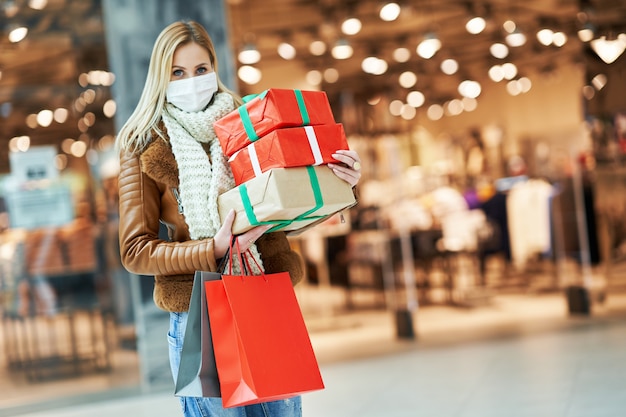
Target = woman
(171,171)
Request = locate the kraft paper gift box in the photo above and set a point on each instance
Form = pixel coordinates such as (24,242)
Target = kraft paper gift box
(288,198)
(273,109)
(289,147)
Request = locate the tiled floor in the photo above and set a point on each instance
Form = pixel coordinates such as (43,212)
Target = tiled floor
(521,356)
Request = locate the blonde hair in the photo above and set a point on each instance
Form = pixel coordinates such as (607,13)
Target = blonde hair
(138,130)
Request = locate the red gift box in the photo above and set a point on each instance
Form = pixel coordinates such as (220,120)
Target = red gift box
(289,147)
(273,109)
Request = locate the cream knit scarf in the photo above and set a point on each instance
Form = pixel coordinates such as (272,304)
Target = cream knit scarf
(202,179)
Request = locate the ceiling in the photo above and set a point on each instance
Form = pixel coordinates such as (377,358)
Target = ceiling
(67,38)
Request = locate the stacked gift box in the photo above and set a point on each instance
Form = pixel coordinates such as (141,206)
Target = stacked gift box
(278,144)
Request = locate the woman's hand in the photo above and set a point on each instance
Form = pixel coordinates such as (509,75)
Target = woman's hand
(223,237)
(349,168)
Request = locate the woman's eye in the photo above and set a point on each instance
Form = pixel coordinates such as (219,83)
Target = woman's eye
(201,70)
(178,73)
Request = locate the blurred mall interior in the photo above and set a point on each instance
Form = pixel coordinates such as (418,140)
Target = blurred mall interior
(492,201)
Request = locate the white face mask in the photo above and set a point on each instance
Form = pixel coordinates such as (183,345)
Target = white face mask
(192,94)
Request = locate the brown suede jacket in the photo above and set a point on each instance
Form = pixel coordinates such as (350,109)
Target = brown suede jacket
(147,186)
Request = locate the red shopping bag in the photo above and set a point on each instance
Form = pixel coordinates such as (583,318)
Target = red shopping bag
(262,347)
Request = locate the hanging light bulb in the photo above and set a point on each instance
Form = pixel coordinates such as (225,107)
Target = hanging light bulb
(476,25)
(342,50)
(449,66)
(516,38)
(609,49)
(544,36)
(585,34)
(469,88)
(499,50)
(390,12)
(37,4)
(18,34)
(317,48)
(351,26)
(249,74)
(401,54)
(429,46)
(374,65)
(249,54)
(286,51)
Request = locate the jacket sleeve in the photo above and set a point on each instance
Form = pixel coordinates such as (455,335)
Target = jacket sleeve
(141,249)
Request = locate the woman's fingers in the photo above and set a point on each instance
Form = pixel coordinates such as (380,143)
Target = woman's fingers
(248,238)
(349,168)
(349,157)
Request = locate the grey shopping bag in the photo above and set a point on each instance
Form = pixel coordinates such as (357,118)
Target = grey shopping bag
(197,374)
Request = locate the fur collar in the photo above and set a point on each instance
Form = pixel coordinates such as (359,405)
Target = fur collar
(158,162)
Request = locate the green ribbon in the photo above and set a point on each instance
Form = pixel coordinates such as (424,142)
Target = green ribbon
(280,224)
(247,122)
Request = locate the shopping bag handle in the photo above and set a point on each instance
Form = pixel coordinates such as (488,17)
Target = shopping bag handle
(245,266)
(244,260)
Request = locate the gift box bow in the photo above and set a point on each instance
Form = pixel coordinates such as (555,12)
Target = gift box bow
(247,122)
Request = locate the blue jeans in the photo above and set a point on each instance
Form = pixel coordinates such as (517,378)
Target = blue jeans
(212,407)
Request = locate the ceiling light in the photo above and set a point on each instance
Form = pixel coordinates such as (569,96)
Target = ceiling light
(109,108)
(454,107)
(395,107)
(475,25)
(314,77)
(588,92)
(37,4)
(510,70)
(286,51)
(374,100)
(390,12)
(525,84)
(469,104)
(317,48)
(609,50)
(45,117)
(499,50)
(18,34)
(342,50)
(513,88)
(469,89)
(496,73)
(509,26)
(19,144)
(407,79)
(408,112)
(449,66)
(586,33)
(351,26)
(374,65)
(429,46)
(401,54)
(31,121)
(331,75)
(544,36)
(599,81)
(249,54)
(60,115)
(515,38)
(435,112)
(249,74)
(415,99)
(559,39)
